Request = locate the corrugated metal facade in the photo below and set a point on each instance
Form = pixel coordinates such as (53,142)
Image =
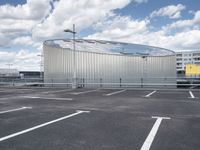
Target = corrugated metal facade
(111,70)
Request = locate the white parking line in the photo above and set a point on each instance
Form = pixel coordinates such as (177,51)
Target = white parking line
(51,98)
(17,109)
(148,95)
(41,125)
(58,91)
(7,91)
(77,93)
(15,90)
(191,94)
(109,94)
(152,134)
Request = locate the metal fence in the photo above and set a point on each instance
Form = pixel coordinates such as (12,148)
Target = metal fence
(105,83)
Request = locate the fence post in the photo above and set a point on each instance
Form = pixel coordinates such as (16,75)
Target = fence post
(51,82)
(83,85)
(120,81)
(142,82)
(13,82)
(67,82)
(100,82)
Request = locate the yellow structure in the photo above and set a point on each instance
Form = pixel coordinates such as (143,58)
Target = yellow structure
(192,69)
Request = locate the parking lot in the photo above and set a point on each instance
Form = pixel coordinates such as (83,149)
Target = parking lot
(99,119)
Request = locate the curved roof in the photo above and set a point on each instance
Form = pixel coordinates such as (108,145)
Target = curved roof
(110,47)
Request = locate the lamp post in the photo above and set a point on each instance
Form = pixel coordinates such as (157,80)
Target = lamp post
(74,84)
(41,65)
(9,68)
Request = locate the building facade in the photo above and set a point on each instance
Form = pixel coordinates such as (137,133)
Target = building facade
(107,64)
(184,58)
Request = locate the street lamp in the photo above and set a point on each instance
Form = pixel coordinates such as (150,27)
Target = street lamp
(41,65)
(74,84)
(9,68)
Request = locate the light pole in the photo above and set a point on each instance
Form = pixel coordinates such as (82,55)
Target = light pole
(41,65)
(74,84)
(9,67)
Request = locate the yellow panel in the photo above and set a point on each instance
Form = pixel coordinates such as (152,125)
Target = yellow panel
(192,69)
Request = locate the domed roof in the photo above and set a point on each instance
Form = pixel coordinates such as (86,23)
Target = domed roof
(109,47)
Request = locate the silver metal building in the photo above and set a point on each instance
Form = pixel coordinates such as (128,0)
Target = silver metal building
(97,63)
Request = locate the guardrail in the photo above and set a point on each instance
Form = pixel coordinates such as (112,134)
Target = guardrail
(166,82)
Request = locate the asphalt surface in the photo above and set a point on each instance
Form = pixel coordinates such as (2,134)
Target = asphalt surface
(118,119)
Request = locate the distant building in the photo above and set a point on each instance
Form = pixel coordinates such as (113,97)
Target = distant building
(186,57)
(31,74)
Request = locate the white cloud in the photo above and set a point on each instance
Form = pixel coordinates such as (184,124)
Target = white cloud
(172,11)
(140,1)
(83,13)
(43,22)
(33,10)
(17,21)
(35,21)
(119,27)
(4,40)
(23,40)
(27,24)
(177,42)
(6,56)
(126,29)
(22,60)
(10,29)
(10,26)
(185,40)
(185,24)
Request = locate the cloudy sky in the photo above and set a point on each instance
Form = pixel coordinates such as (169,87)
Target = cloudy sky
(25,24)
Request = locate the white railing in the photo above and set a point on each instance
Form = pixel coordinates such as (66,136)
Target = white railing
(167,82)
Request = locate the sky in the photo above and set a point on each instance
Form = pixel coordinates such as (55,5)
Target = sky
(25,24)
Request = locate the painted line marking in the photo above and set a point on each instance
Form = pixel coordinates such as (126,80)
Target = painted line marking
(149,140)
(50,98)
(8,91)
(58,91)
(17,109)
(77,93)
(148,95)
(14,90)
(41,125)
(109,94)
(191,94)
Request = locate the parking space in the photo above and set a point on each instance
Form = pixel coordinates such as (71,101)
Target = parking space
(109,119)
(17,121)
(88,131)
(179,133)
(171,95)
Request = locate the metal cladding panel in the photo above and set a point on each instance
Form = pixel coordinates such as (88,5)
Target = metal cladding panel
(106,68)
(57,64)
